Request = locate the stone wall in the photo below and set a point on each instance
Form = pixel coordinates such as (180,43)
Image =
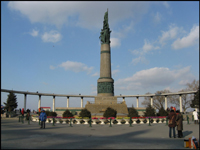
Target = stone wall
(99,108)
(105,100)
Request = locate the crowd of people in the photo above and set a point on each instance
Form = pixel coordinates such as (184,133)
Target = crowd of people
(176,120)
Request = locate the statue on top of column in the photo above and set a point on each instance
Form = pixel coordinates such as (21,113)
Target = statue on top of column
(105,32)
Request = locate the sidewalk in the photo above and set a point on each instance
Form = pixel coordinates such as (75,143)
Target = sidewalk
(15,135)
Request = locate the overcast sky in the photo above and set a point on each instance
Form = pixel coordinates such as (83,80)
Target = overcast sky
(54,47)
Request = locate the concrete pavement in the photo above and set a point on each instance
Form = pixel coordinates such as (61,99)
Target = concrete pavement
(15,135)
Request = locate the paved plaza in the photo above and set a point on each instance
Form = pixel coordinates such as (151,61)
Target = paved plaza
(15,135)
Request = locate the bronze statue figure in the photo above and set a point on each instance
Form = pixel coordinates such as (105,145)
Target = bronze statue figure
(105,32)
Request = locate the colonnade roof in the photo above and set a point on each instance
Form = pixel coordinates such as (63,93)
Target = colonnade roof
(90,96)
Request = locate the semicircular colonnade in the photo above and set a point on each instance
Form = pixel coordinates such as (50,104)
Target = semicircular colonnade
(90,96)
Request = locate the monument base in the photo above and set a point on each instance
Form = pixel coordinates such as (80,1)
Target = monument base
(102,103)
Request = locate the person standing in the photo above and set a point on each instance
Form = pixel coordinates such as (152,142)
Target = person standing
(172,122)
(22,112)
(43,118)
(179,123)
(1,113)
(39,110)
(195,117)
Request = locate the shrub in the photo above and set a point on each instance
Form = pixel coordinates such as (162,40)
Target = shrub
(49,113)
(162,112)
(133,112)
(85,113)
(67,113)
(110,112)
(150,111)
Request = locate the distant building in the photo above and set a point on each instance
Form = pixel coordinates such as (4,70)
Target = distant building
(140,110)
(46,108)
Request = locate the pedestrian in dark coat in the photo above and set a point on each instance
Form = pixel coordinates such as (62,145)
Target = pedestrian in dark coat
(172,115)
(179,120)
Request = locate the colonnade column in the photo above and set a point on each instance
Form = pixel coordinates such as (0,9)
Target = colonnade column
(152,101)
(39,102)
(165,102)
(137,102)
(24,102)
(67,101)
(180,99)
(53,103)
(81,102)
(123,99)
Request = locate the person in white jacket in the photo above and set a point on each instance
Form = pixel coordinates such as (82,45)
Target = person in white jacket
(195,117)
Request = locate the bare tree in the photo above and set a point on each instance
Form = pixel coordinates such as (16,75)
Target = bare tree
(158,101)
(186,98)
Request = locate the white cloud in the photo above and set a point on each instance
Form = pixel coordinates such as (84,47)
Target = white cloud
(148,46)
(59,13)
(45,83)
(157,17)
(117,36)
(75,66)
(153,77)
(115,42)
(52,67)
(95,74)
(184,82)
(173,90)
(170,34)
(135,52)
(166,4)
(52,36)
(191,39)
(141,59)
(34,33)
(114,72)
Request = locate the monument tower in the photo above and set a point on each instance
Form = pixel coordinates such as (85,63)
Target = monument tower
(105,84)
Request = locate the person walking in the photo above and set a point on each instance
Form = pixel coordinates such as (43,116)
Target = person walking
(43,118)
(179,123)
(172,123)
(195,117)
(28,114)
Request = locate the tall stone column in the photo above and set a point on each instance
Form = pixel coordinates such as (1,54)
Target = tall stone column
(180,100)
(137,102)
(25,102)
(39,102)
(123,99)
(81,102)
(53,103)
(105,84)
(152,101)
(67,101)
(165,102)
